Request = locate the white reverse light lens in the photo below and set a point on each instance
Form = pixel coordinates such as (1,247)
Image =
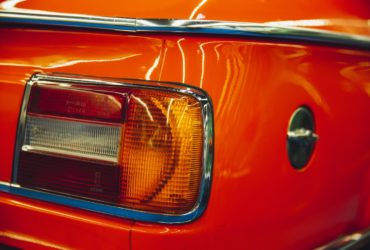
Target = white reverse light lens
(72,138)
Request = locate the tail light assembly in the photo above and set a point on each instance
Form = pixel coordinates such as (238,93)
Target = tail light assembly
(135,149)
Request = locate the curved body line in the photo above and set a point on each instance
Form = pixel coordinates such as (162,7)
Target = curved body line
(208,27)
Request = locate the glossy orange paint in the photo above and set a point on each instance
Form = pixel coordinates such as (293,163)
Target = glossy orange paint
(30,224)
(255,88)
(38,225)
(337,15)
(258,200)
(25,51)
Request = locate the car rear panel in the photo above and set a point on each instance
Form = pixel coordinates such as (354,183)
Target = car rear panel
(257,200)
(27,223)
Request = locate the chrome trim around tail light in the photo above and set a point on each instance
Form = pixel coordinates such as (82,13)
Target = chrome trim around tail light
(208,143)
(201,27)
(357,240)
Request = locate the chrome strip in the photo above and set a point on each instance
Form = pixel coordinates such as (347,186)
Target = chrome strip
(224,28)
(21,128)
(358,240)
(59,19)
(207,113)
(98,207)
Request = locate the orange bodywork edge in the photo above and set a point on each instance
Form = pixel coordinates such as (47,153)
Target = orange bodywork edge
(198,27)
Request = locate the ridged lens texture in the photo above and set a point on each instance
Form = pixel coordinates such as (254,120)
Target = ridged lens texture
(70,176)
(72,141)
(131,147)
(162,152)
(72,138)
(77,101)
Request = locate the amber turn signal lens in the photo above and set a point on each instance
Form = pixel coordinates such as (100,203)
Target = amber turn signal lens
(162,152)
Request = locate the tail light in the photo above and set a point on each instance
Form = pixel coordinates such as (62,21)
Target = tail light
(130,148)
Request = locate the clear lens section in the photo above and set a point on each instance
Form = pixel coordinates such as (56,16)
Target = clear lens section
(72,138)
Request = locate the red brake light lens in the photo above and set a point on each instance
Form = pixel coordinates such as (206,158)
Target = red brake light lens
(77,101)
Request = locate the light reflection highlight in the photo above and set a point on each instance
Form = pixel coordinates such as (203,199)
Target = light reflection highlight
(10,4)
(306,23)
(195,10)
(65,215)
(152,68)
(203,62)
(183,59)
(346,24)
(29,239)
(168,111)
(55,63)
(217,52)
(142,103)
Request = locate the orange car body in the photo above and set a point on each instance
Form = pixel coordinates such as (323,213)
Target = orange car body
(257,200)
